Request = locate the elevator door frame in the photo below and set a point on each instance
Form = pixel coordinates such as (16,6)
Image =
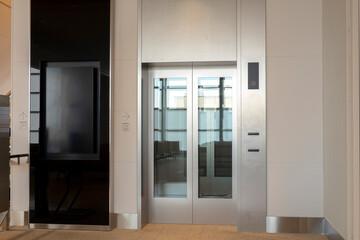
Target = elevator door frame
(193,209)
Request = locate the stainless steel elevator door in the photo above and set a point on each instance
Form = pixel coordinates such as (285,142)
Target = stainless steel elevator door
(192,131)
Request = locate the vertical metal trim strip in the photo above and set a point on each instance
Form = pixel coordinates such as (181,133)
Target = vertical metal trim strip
(139,114)
(29,107)
(239,115)
(111,135)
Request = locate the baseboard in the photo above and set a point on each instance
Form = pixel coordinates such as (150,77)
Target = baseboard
(69,227)
(19,218)
(118,220)
(294,225)
(301,225)
(126,221)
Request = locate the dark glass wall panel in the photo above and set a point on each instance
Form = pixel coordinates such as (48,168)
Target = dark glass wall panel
(4,153)
(69,104)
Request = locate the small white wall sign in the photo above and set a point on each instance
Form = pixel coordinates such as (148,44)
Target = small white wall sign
(125,125)
(23,121)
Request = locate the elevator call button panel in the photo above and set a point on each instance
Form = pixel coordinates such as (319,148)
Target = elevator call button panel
(253,75)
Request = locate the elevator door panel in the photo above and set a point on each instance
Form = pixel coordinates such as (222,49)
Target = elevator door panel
(170,167)
(214,134)
(192,130)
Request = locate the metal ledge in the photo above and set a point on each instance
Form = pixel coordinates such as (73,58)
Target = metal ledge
(301,225)
(126,221)
(118,220)
(294,225)
(69,227)
(19,218)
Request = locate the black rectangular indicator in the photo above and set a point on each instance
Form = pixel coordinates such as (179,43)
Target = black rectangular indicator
(253,75)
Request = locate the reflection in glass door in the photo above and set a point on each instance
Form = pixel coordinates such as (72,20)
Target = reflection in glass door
(170,132)
(215,137)
(170,124)
(192,130)
(214,144)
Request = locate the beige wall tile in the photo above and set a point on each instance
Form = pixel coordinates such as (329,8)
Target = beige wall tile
(294,27)
(125,139)
(20,109)
(294,136)
(20,86)
(20,30)
(19,188)
(294,82)
(126,186)
(126,29)
(125,85)
(295,190)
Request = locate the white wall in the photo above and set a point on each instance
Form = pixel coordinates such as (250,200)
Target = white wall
(353,64)
(294,108)
(5,47)
(20,29)
(335,114)
(124,90)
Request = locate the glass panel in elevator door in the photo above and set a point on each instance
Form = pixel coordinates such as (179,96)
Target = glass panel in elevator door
(170,137)
(215,137)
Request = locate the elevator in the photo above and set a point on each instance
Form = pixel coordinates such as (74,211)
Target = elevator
(203,105)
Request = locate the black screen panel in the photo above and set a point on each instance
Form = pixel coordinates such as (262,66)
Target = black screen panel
(70,110)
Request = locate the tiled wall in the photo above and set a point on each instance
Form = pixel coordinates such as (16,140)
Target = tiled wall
(294,108)
(335,115)
(125,65)
(19,102)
